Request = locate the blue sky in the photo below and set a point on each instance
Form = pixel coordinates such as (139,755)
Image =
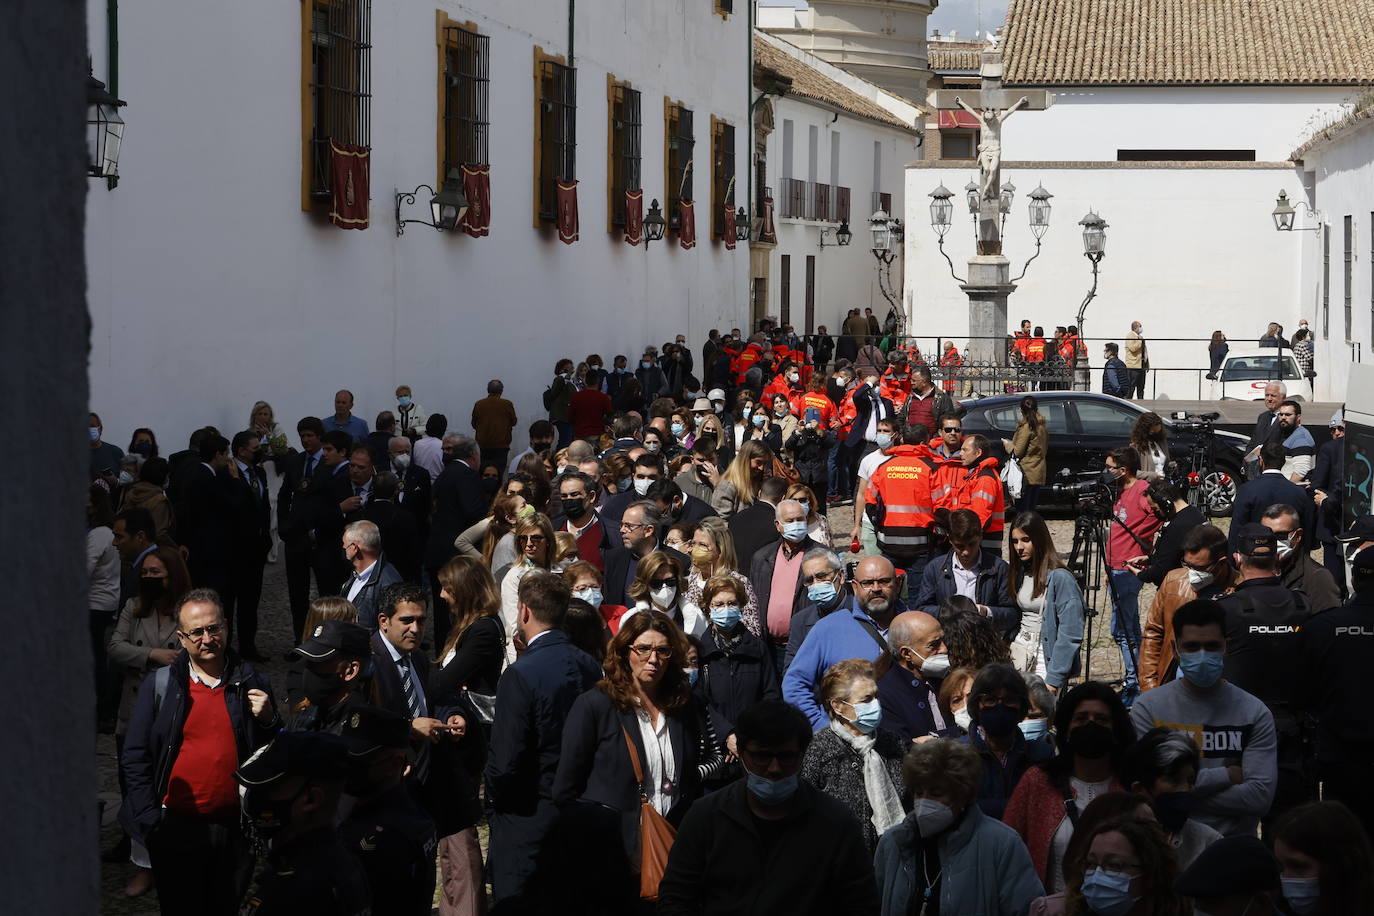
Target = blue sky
(959,15)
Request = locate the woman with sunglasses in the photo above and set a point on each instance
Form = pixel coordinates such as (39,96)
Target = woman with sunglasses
(661,585)
(535,545)
(643,706)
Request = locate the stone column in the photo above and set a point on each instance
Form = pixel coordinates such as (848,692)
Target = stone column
(989,284)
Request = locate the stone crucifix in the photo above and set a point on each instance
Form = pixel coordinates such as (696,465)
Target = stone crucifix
(990,106)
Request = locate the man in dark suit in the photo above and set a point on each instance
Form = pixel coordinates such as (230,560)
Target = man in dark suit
(459,503)
(181,467)
(648,468)
(779,600)
(1266,425)
(677,507)
(293,519)
(643,528)
(362,547)
(400,540)
(1268,489)
(756,524)
(207,527)
(379,440)
(331,497)
(135,536)
(533,698)
(252,539)
(1327,480)
(415,486)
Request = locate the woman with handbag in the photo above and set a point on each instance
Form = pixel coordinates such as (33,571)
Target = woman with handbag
(1029,447)
(635,751)
(469,664)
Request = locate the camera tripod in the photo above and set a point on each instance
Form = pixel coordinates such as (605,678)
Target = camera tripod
(1088,564)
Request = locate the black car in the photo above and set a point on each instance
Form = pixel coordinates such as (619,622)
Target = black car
(1085,426)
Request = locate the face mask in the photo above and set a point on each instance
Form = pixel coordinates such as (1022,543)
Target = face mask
(747,412)
(963,719)
(574,506)
(999,721)
(653,446)
(867,716)
(644,364)
(780,412)
(1173,809)
(590,595)
(725,617)
(1091,741)
(936,666)
(758,420)
(677,429)
(1201,668)
(1197,579)
(401,462)
(641,484)
(526,511)
(1302,894)
(771,791)
(95,433)
(150,589)
(489,484)
(932,817)
(595,367)
(1285,547)
(1107,893)
(320,689)
(794,531)
(663,596)
(806,506)
(701,556)
(623,486)
(1034,729)
(143,448)
(821,592)
(884,441)
(404,400)
(125,478)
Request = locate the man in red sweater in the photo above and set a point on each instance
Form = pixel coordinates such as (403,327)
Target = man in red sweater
(193,723)
(588,411)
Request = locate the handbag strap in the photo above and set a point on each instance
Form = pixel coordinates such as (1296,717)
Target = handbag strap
(634,762)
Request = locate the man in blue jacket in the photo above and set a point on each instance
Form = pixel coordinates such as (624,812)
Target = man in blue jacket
(532,702)
(969,570)
(1115,376)
(194,722)
(1268,489)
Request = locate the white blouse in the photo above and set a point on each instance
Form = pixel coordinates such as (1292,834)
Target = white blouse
(660,779)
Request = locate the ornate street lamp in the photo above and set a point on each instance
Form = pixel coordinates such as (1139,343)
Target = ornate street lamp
(104,130)
(447,206)
(882,236)
(941,209)
(841,236)
(741,225)
(1040,212)
(1094,237)
(654,224)
(971,197)
(1008,195)
(1285,215)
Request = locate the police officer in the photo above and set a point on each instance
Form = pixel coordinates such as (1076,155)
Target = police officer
(293,785)
(336,661)
(1264,622)
(386,829)
(1337,646)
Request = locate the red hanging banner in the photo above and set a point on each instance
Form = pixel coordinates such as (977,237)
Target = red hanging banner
(567,211)
(687,225)
(728,237)
(766,231)
(477,189)
(634,217)
(349,185)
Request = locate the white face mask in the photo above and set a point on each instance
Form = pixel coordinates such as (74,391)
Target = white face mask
(125,478)
(664,595)
(641,485)
(935,666)
(963,719)
(931,816)
(1285,547)
(401,461)
(1198,579)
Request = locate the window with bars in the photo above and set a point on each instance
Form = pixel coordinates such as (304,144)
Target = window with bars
(556,120)
(624,150)
(1348,228)
(466,98)
(722,175)
(339,83)
(794,198)
(1326,282)
(680,142)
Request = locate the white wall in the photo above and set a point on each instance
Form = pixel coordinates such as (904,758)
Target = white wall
(846,277)
(209,288)
(1092,123)
(1342,172)
(1189,251)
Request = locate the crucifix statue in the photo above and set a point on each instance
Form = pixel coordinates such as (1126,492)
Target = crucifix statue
(990,107)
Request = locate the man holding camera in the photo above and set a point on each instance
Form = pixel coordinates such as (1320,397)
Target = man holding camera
(1133,529)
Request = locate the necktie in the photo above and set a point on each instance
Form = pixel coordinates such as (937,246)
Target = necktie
(408,685)
(358,492)
(309,464)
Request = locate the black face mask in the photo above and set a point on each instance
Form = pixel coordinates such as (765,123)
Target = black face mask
(321,689)
(574,506)
(151,589)
(540,446)
(1173,809)
(1091,741)
(143,448)
(998,721)
(489,485)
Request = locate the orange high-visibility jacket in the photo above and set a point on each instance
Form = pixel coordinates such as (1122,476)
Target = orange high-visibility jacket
(900,505)
(981,489)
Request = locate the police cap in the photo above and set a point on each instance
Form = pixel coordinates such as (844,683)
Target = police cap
(1257,541)
(1231,865)
(1363,562)
(1361,530)
(316,754)
(335,639)
(370,728)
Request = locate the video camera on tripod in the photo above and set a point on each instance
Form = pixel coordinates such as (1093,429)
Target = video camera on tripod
(1194,422)
(1093,491)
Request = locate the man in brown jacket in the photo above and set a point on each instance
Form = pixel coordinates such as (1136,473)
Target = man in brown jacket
(493,418)
(1206,573)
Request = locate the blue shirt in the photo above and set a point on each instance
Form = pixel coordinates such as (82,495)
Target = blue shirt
(354,426)
(835,637)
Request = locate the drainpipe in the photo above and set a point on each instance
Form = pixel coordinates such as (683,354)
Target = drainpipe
(749,118)
(572,17)
(112,61)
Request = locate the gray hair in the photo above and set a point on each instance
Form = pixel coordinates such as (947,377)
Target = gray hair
(1283,389)
(464,447)
(366,535)
(831,558)
(652,515)
(394,439)
(1281,510)
(777,513)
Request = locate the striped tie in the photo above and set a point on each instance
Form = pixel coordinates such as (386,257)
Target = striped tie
(408,685)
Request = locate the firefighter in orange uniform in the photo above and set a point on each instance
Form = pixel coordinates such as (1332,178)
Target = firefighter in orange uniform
(950,363)
(896,381)
(946,452)
(751,354)
(1035,347)
(900,504)
(980,489)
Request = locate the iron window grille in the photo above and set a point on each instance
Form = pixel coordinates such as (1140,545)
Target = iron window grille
(626,157)
(557,132)
(794,198)
(820,196)
(723,176)
(681,143)
(841,204)
(340,82)
(467,98)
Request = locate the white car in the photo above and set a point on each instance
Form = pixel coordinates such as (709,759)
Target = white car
(1245,373)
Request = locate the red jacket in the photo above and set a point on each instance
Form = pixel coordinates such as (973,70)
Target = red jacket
(944,487)
(745,361)
(900,504)
(895,389)
(1035,810)
(949,362)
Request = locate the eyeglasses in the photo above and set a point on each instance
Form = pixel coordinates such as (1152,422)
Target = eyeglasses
(826,576)
(662,653)
(1111,866)
(199,633)
(873,583)
(631,526)
(530,539)
(989,702)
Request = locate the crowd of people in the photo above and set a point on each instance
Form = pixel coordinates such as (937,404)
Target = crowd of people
(643,653)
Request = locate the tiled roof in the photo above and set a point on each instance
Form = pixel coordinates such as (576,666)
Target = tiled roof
(945,58)
(810,83)
(1189,42)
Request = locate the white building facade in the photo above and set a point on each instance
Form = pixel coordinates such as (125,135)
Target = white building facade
(835,155)
(216,278)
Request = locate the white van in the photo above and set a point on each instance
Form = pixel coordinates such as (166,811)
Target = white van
(1245,373)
